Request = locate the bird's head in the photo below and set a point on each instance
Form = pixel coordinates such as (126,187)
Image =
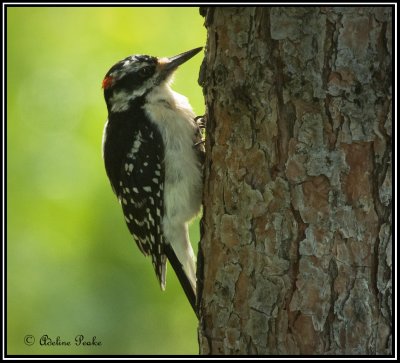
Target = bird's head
(136,75)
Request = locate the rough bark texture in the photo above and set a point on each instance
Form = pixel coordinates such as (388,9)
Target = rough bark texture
(296,251)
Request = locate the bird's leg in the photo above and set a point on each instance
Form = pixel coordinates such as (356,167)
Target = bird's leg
(201,124)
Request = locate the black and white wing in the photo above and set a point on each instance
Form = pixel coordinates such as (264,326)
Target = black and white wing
(141,196)
(136,170)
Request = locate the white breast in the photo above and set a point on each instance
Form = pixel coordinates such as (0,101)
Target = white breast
(173,115)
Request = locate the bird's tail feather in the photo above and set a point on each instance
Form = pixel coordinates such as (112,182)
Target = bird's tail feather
(183,278)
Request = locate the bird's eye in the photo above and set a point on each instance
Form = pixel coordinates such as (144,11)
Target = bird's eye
(145,71)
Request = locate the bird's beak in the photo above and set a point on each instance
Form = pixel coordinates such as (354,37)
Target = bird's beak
(167,65)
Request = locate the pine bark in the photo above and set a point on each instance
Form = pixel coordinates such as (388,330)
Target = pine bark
(296,248)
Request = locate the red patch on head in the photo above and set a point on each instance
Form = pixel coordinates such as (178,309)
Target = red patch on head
(107,82)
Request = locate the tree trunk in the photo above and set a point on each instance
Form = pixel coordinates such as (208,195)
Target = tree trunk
(296,249)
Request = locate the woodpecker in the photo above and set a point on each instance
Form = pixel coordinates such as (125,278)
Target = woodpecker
(153,156)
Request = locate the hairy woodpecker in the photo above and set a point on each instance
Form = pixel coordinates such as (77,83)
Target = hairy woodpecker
(152,152)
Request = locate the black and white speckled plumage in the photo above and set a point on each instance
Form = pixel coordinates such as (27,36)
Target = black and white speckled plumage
(152,163)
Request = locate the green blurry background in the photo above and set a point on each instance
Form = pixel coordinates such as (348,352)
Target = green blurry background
(72,266)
